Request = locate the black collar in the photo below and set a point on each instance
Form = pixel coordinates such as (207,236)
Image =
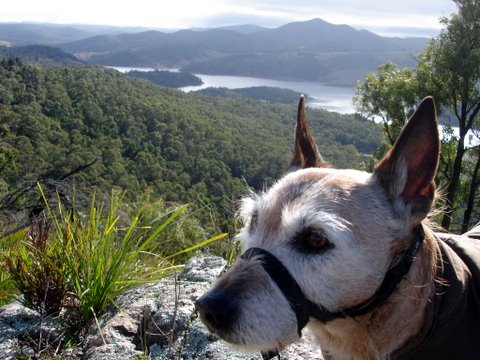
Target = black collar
(304,308)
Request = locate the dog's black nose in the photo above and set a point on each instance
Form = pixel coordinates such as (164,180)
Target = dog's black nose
(217,310)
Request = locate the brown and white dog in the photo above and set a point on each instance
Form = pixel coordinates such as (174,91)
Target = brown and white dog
(350,255)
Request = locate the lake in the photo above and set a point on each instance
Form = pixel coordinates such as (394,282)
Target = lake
(332,98)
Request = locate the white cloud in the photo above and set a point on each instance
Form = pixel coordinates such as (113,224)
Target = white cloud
(191,13)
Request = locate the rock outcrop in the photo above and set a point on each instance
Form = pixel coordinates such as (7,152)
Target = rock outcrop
(156,321)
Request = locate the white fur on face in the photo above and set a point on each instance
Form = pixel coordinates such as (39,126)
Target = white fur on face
(351,209)
(265,320)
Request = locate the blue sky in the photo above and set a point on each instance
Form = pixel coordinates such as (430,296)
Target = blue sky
(387,17)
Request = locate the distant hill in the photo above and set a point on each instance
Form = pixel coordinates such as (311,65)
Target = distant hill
(244,29)
(313,50)
(27,34)
(20,34)
(41,54)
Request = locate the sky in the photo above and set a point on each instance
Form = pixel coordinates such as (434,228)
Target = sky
(387,17)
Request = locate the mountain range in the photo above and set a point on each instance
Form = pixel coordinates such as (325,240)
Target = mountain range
(22,34)
(313,50)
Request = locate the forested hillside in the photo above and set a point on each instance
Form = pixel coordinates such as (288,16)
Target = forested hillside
(173,79)
(41,54)
(97,128)
(263,93)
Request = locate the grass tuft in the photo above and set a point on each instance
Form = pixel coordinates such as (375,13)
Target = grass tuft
(84,261)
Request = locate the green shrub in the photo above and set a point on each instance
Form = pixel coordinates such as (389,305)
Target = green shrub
(85,261)
(36,269)
(104,259)
(7,286)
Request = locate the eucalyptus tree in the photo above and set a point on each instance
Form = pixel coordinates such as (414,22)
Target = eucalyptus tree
(449,69)
(450,66)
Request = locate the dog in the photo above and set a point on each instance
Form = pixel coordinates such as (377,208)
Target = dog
(351,255)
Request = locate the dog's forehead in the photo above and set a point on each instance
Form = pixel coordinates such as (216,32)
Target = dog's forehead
(319,181)
(307,192)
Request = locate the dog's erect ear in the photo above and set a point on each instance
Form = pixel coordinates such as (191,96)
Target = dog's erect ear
(408,170)
(306,153)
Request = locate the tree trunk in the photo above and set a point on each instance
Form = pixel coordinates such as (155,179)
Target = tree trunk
(471,195)
(453,185)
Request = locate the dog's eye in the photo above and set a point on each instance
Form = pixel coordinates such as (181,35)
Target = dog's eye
(312,241)
(316,240)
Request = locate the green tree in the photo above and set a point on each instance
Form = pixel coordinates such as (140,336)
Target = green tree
(389,96)
(470,209)
(449,69)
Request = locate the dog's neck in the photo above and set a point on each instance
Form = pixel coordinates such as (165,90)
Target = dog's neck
(404,316)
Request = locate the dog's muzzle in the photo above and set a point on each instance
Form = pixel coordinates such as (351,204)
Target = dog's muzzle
(304,308)
(286,283)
